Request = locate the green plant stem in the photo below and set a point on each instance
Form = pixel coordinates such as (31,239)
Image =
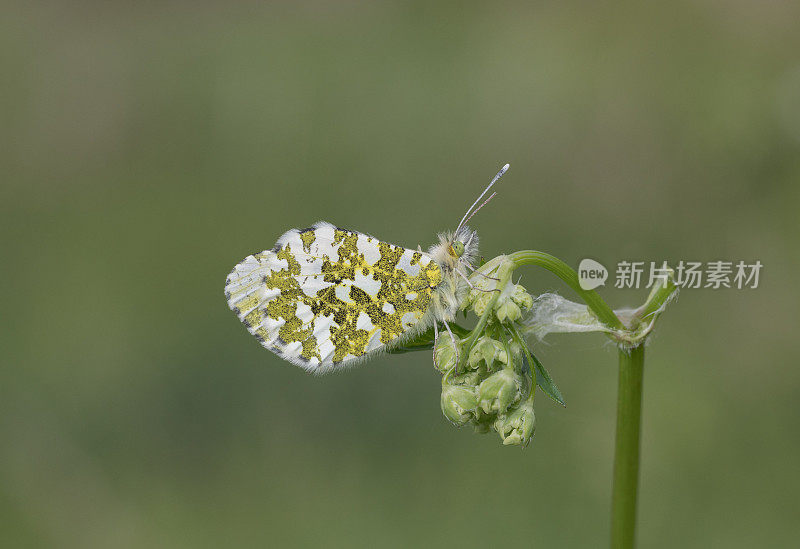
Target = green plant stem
(626,453)
(504,273)
(662,293)
(566,273)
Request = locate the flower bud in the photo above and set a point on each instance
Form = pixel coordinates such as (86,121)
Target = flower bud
(499,391)
(510,303)
(521,297)
(466,302)
(480,301)
(470,378)
(458,403)
(516,428)
(508,311)
(445,355)
(487,350)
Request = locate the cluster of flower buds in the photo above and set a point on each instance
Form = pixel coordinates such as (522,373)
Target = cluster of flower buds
(510,304)
(494,388)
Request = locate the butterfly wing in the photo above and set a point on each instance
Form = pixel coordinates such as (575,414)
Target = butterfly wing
(326,296)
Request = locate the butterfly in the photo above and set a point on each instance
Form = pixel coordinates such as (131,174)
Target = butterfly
(325,297)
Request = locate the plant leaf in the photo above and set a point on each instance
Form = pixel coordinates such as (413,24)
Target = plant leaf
(543,378)
(546,382)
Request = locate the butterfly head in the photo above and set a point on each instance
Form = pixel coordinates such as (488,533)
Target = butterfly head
(456,249)
(460,247)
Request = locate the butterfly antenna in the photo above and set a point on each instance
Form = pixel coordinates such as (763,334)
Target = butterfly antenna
(485,202)
(503,170)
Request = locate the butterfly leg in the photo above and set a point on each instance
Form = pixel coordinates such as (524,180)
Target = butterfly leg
(472,286)
(474,270)
(435,343)
(453,338)
(466,279)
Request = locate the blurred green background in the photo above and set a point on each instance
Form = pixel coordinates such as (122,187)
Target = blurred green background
(148,147)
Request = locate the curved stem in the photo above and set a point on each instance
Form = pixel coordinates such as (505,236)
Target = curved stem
(566,273)
(626,452)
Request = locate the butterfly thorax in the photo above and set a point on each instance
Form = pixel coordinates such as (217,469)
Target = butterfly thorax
(454,253)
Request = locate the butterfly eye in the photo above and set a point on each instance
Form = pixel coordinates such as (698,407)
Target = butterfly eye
(457,248)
